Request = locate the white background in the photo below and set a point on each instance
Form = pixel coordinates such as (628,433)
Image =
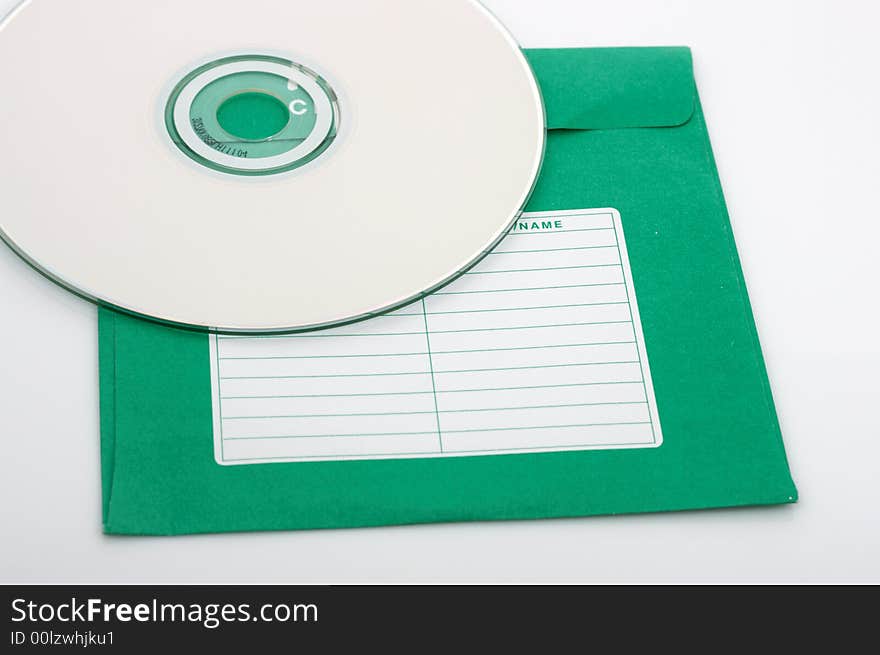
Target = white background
(791,96)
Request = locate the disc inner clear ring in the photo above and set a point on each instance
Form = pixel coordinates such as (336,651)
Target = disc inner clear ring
(438,151)
(323,109)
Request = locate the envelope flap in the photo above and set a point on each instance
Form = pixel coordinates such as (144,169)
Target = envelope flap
(607,88)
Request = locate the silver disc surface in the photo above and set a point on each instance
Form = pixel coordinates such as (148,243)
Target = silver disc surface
(149,163)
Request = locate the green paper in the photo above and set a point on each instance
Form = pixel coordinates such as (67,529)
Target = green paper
(626,131)
(253,115)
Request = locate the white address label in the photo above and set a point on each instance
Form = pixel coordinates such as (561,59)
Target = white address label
(539,348)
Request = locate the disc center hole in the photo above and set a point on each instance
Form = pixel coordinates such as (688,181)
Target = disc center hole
(253,115)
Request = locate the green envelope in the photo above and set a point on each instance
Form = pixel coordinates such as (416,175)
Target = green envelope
(626,131)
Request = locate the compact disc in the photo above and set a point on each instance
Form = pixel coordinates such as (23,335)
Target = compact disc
(262,166)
